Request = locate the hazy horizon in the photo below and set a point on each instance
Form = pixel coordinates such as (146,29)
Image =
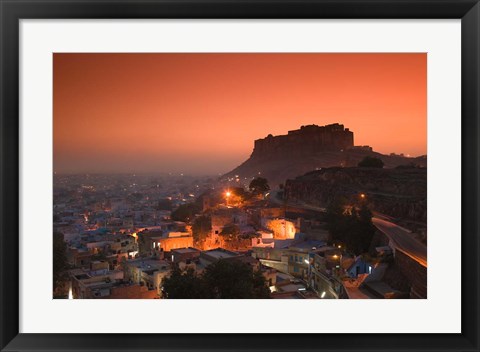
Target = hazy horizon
(199,114)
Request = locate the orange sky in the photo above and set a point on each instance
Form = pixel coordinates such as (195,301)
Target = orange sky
(200,113)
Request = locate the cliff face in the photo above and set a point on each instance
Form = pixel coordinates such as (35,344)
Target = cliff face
(312,147)
(400,193)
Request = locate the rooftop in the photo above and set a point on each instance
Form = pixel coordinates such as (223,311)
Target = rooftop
(308,245)
(220,253)
(148,263)
(185,250)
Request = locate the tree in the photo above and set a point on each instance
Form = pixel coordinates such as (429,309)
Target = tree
(201,228)
(222,279)
(186,284)
(234,279)
(370,161)
(260,285)
(239,192)
(59,259)
(354,227)
(238,195)
(334,217)
(230,230)
(185,212)
(259,185)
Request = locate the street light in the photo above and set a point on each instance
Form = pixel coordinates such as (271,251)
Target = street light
(339,257)
(227,195)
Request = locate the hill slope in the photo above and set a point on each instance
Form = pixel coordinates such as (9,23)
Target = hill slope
(310,148)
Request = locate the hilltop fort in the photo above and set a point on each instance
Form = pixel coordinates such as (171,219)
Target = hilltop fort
(311,147)
(306,140)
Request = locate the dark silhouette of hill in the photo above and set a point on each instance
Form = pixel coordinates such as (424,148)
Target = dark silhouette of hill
(278,158)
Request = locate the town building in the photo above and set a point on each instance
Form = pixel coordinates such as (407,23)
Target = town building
(148,272)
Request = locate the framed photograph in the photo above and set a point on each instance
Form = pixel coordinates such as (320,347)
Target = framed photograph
(200,175)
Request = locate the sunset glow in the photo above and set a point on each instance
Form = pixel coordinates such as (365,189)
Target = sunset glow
(200,113)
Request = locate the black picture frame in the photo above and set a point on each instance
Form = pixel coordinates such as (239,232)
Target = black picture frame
(14,10)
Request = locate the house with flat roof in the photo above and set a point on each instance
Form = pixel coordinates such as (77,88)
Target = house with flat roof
(184,254)
(213,255)
(149,272)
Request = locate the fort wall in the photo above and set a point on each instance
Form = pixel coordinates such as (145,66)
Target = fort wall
(306,140)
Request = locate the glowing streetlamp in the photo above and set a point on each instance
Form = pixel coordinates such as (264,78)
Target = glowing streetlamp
(227,196)
(339,258)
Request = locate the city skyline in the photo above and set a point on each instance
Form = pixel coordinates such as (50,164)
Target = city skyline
(200,113)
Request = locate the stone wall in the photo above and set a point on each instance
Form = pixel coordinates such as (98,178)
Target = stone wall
(414,272)
(400,193)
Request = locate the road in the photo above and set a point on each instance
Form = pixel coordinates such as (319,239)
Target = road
(403,239)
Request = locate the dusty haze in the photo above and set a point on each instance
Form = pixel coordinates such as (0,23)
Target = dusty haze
(200,113)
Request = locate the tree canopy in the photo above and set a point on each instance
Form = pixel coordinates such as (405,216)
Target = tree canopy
(370,161)
(201,228)
(184,285)
(234,279)
(222,279)
(351,226)
(230,230)
(59,259)
(185,212)
(259,185)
